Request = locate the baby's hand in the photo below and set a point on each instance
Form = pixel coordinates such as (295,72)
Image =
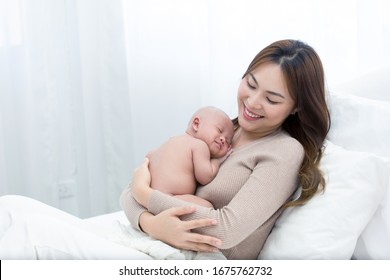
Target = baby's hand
(222,159)
(149,154)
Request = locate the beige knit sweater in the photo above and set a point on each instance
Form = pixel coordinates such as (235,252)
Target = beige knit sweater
(248,192)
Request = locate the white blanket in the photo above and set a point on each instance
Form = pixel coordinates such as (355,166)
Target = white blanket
(126,235)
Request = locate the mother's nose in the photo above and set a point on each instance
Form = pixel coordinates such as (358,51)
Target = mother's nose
(254,101)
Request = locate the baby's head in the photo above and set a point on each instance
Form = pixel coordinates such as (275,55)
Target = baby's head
(214,127)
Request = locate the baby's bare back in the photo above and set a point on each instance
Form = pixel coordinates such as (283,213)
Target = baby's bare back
(172,168)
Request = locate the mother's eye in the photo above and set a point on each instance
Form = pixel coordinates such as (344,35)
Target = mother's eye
(250,86)
(272,102)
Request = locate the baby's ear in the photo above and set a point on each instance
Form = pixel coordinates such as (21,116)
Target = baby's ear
(195,123)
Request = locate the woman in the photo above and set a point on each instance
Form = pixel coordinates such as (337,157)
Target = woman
(282,122)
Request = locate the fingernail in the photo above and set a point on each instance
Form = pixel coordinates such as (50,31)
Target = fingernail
(213,222)
(218,242)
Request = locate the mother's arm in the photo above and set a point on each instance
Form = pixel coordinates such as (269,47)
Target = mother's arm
(165,226)
(131,207)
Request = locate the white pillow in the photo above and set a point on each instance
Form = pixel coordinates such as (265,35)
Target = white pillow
(360,124)
(374,242)
(374,84)
(328,226)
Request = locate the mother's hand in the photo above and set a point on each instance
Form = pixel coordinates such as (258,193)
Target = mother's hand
(140,184)
(168,228)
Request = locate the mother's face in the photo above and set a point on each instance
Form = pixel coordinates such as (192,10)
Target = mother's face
(263,100)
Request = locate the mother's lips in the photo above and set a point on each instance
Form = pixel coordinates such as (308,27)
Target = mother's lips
(250,115)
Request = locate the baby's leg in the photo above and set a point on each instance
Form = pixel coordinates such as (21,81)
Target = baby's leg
(195,199)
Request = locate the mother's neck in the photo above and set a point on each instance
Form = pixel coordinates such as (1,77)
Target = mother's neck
(242,137)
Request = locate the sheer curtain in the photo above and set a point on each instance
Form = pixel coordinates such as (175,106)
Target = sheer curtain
(65,128)
(87,87)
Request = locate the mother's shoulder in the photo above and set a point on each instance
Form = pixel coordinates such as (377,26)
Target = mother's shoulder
(285,142)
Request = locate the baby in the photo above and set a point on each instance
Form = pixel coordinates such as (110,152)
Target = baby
(193,158)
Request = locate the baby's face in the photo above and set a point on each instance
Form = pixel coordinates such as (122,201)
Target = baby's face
(219,134)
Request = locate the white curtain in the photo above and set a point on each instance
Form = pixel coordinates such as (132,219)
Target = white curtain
(65,128)
(88,87)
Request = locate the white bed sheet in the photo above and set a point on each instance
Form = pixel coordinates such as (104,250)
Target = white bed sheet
(116,228)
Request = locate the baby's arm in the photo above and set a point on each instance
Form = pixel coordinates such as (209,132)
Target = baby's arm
(205,169)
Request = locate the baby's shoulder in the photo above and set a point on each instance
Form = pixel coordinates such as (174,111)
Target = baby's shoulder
(185,140)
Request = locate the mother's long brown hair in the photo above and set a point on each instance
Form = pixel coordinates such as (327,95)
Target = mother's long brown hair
(304,75)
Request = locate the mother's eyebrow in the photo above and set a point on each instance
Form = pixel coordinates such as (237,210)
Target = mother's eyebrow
(253,77)
(275,93)
(269,91)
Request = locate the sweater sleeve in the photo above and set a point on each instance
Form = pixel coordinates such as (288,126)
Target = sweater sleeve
(271,182)
(131,207)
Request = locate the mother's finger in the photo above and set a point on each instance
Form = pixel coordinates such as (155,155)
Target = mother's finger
(204,239)
(199,247)
(143,165)
(193,224)
(180,211)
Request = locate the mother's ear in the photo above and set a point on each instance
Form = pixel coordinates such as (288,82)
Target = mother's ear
(294,111)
